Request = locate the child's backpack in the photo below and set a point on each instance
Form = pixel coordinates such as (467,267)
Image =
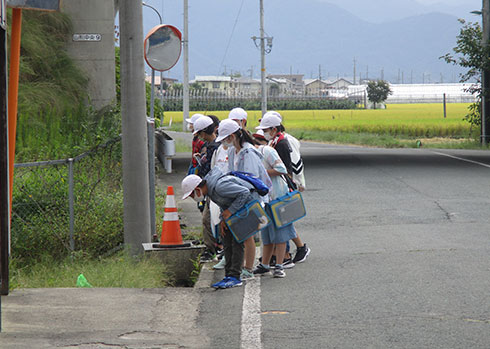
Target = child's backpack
(258,184)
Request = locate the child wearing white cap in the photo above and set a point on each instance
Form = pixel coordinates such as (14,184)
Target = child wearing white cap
(205,128)
(274,239)
(231,194)
(197,145)
(243,156)
(273,129)
(239,115)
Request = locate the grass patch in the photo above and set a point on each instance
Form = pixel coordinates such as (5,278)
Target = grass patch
(120,270)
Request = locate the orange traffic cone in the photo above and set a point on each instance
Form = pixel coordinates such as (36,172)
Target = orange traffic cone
(171,234)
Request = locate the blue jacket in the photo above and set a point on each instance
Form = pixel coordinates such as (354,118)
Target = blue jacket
(229,192)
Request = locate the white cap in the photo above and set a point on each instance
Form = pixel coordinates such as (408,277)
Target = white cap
(190,183)
(193,118)
(237,114)
(201,123)
(226,128)
(269,121)
(273,112)
(259,133)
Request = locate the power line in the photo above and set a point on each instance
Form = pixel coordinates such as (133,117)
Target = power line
(231,35)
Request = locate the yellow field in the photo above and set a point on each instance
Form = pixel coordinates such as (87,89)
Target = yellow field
(398,119)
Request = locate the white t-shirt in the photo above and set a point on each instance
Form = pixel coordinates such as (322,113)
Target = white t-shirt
(220,159)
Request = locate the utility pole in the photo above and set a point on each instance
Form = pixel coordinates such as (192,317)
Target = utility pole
(134,131)
(355,71)
(319,80)
(185,100)
(485,79)
(262,60)
(263,51)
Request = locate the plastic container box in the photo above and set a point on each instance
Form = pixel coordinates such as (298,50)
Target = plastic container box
(287,209)
(248,221)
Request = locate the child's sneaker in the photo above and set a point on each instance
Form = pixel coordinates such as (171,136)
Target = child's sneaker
(208,257)
(220,283)
(288,263)
(272,263)
(220,265)
(261,270)
(246,274)
(301,254)
(279,272)
(232,282)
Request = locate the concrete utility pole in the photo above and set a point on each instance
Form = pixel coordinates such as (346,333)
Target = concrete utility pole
(262,59)
(355,70)
(485,80)
(134,132)
(185,41)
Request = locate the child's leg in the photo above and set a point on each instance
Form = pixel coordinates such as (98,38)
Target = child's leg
(297,241)
(280,251)
(207,233)
(233,255)
(287,254)
(267,253)
(249,253)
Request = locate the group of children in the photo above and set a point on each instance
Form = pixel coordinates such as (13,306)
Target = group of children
(269,154)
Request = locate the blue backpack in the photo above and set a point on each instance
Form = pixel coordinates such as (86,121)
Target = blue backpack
(258,184)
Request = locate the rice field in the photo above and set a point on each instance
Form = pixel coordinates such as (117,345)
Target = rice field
(407,120)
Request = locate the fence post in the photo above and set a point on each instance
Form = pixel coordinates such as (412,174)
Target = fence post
(71,203)
(151,172)
(444,102)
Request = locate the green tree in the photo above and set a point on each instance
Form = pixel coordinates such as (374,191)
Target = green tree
(195,86)
(177,87)
(469,53)
(378,91)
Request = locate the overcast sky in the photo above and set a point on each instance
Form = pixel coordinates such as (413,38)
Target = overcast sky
(451,2)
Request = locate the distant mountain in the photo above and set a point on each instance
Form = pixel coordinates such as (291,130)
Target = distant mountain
(315,33)
(379,11)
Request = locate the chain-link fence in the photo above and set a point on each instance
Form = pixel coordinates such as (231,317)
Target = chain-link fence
(69,205)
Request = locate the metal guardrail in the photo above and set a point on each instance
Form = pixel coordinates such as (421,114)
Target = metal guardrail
(165,149)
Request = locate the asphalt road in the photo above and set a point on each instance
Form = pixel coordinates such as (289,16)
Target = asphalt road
(400,257)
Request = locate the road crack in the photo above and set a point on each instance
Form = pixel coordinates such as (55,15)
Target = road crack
(446,213)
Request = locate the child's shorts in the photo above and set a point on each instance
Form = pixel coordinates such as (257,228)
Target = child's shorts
(272,235)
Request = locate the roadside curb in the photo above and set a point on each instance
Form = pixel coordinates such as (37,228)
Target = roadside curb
(206,276)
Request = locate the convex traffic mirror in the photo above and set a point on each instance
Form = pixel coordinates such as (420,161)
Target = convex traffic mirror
(162,47)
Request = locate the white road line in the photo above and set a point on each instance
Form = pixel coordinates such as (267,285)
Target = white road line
(251,322)
(462,159)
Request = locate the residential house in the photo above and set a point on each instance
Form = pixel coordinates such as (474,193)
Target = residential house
(220,85)
(296,82)
(339,84)
(168,81)
(246,86)
(316,87)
